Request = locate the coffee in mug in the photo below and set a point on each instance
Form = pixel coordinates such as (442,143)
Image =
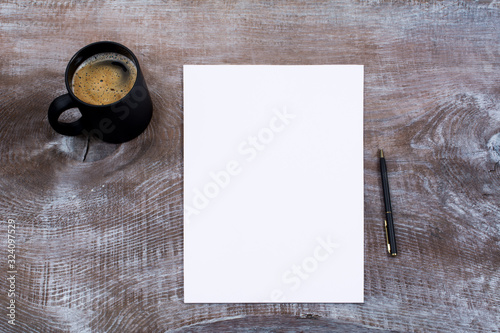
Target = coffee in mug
(104,78)
(105,82)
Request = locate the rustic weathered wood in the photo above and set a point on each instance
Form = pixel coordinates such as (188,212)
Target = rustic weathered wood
(99,228)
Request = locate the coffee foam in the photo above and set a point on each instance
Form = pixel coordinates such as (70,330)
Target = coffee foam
(104,78)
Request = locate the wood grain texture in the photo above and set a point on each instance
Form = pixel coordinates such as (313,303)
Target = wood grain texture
(99,227)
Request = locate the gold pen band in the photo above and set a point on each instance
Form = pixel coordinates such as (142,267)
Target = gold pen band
(387,237)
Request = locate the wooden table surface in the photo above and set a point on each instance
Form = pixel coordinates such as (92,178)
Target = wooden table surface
(99,227)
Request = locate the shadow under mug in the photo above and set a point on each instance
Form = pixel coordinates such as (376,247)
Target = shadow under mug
(117,122)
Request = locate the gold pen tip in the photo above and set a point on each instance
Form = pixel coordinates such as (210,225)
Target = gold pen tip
(381,153)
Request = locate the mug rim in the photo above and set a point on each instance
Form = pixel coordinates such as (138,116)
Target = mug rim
(83,49)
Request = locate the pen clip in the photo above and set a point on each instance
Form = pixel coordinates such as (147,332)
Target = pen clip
(387,237)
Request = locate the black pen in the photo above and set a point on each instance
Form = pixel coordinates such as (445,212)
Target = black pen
(390,236)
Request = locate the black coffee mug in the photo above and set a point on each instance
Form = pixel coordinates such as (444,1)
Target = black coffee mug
(117,122)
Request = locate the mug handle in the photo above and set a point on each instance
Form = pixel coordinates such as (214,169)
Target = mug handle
(56,108)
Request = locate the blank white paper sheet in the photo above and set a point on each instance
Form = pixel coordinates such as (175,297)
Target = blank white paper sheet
(273,184)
